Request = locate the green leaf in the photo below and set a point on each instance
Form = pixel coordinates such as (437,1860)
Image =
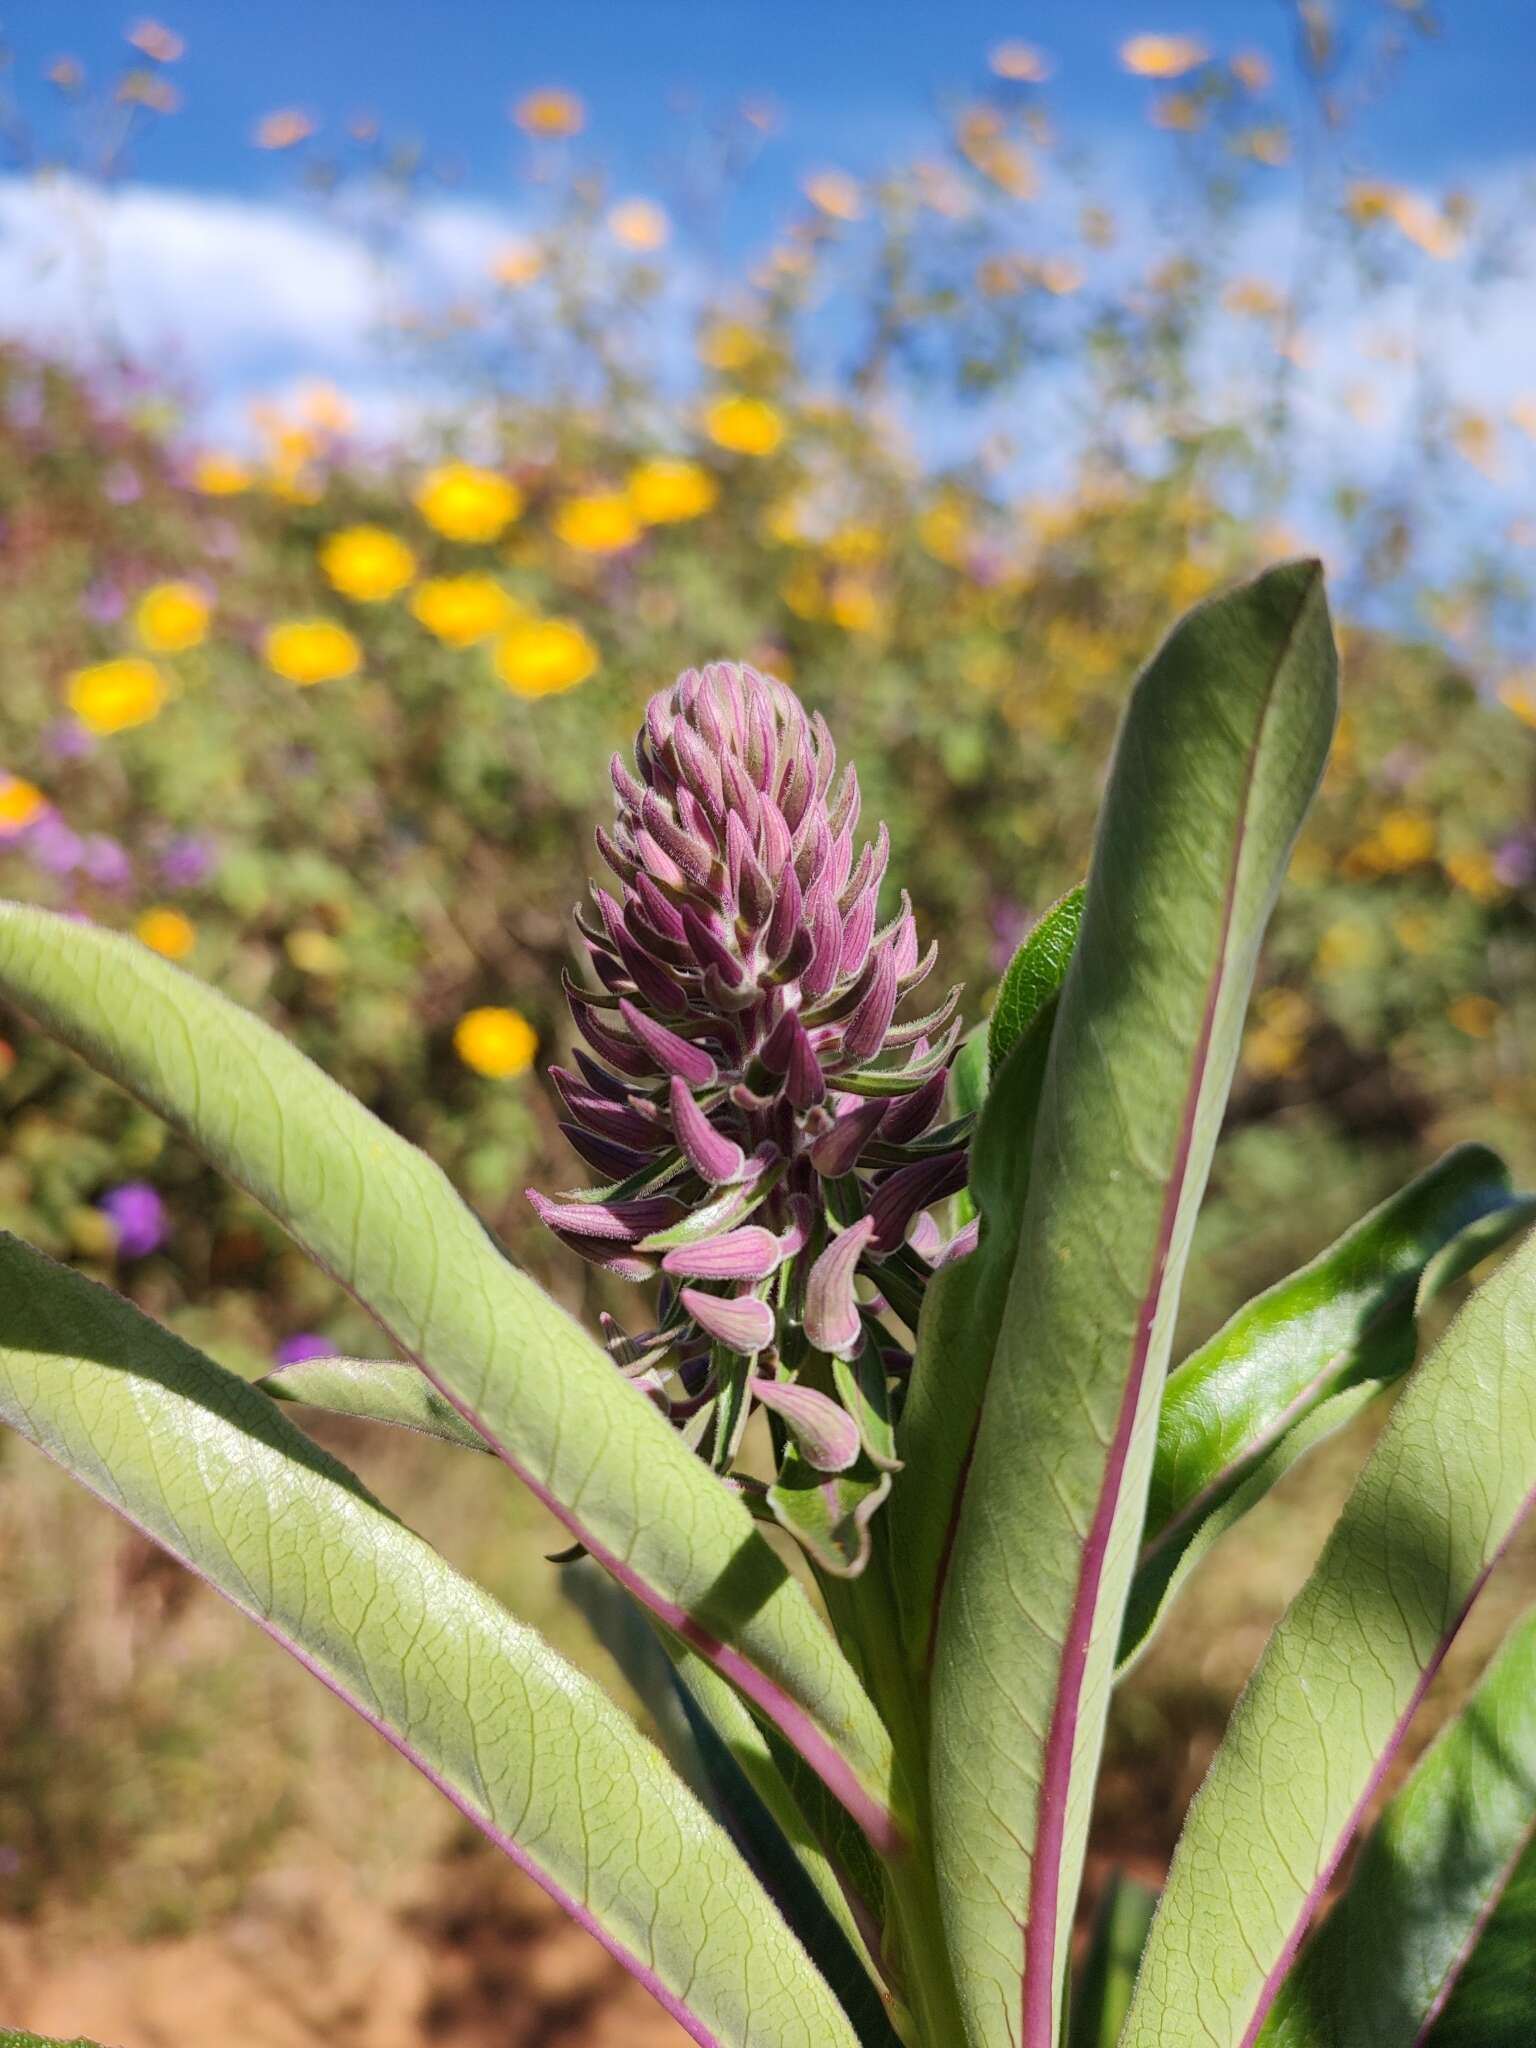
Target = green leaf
(529,1750)
(1034,975)
(759,1789)
(379,1216)
(10,2039)
(1491,2003)
(373,1390)
(1347,1318)
(968,1074)
(1223,744)
(957,1335)
(1324,1714)
(1102,1995)
(1395,1948)
(828,1513)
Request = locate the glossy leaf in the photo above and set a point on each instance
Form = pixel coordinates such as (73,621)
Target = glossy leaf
(1347,1318)
(1102,1995)
(524,1746)
(1391,1952)
(1223,744)
(379,1216)
(373,1390)
(1326,1711)
(1033,976)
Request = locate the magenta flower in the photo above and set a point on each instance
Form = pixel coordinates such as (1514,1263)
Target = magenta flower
(302,1346)
(763,1122)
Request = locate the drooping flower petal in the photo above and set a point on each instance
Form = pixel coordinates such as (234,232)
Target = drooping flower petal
(831,1308)
(739,1321)
(827,1435)
(750,1253)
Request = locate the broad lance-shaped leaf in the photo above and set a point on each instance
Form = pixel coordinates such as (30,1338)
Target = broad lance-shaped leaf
(1347,1318)
(378,1215)
(1222,746)
(373,1390)
(963,1304)
(1397,1947)
(1325,1713)
(524,1746)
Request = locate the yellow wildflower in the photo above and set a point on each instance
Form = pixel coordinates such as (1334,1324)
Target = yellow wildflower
(468,504)
(746,426)
(944,529)
(220,476)
(536,657)
(308,651)
(855,605)
(1472,870)
(598,523)
(1162,56)
(367,563)
(459,610)
(497,1043)
(314,952)
(1517,693)
(1345,945)
(1477,1016)
(1020,63)
(639,224)
(171,617)
(166,931)
(21,804)
(550,111)
(110,696)
(667,489)
(1405,838)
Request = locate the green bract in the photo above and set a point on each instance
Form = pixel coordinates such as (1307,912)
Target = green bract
(874,1832)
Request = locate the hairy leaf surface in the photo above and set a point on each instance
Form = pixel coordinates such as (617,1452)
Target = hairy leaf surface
(378,1215)
(1450,1478)
(1222,747)
(533,1753)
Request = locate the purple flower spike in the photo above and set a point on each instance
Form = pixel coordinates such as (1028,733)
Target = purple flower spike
(746,1064)
(137,1215)
(739,1321)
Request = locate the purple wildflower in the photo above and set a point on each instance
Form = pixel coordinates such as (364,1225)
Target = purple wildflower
(763,1123)
(188,860)
(137,1215)
(106,861)
(304,1345)
(56,847)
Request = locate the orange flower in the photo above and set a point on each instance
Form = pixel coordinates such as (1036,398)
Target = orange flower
(284,129)
(1162,56)
(167,932)
(21,804)
(550,111)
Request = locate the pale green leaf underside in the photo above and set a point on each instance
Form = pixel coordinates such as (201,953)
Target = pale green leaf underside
(1388,1956)
(530,1750)
(374,1390)
(1450,1478)
(376,1213)
(1221,749)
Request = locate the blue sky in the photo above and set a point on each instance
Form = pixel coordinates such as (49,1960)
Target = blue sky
(857,79)
(210,264)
